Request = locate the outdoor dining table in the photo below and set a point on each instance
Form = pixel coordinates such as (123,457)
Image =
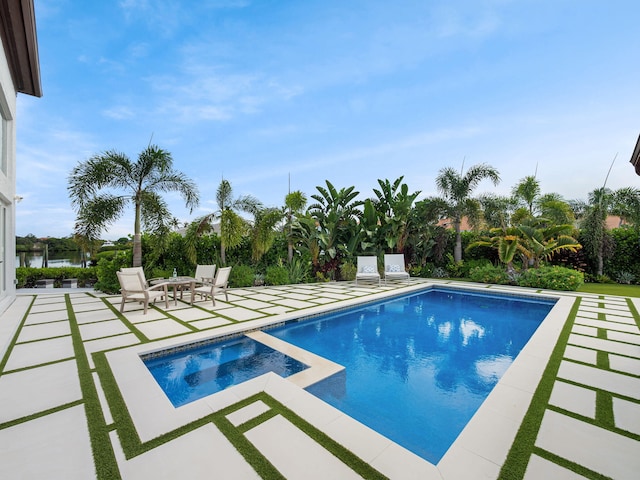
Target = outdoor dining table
(178,284)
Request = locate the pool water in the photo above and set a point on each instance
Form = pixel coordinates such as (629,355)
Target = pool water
(418,368)
(189,375)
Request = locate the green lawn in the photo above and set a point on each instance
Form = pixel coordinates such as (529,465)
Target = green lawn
(611,289)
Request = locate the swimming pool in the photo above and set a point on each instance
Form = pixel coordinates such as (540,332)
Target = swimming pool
(190,374)
(417,367)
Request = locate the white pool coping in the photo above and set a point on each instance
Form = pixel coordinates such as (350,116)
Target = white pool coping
(478,452)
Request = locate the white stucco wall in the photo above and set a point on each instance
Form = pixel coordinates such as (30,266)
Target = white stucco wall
(7,185)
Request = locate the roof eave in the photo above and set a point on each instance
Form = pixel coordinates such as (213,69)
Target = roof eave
(19,38)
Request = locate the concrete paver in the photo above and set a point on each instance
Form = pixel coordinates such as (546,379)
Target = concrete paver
(205,451)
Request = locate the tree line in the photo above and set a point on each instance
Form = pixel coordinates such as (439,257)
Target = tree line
(326,231)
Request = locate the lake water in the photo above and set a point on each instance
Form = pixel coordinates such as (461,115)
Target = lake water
(59,259)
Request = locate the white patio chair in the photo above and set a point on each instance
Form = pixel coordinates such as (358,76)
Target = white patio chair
(394,267)
(368,269)
(205,274)
(140,270)
(132,287)
(219,283)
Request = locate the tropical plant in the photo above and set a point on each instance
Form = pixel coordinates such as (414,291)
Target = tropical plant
(102,187)
(457,203)
(393,204)
(232,226)
(537,242)
(336,212)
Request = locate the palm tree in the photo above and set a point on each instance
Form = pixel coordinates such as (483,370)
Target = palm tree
(456,189)
(102,187)
(263,231)
(294,203)
(232,226)
(527,191)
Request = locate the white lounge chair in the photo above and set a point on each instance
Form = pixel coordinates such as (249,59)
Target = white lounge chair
(368,269)
(394,267)
(219,283)
(132,287)
(140,270)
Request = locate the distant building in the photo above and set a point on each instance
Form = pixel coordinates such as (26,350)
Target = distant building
(19,73)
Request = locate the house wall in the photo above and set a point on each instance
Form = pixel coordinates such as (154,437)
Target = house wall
(7,184)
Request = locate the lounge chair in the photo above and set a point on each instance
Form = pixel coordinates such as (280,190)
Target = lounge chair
(219,283)
(368,269)
(394,267)
(132,287)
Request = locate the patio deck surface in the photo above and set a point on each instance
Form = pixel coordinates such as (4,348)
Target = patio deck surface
(77,403)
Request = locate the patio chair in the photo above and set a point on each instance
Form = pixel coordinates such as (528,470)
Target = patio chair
(133,288)
(368,269)
(394,267)
(140,270)
(205,274)
(219,283)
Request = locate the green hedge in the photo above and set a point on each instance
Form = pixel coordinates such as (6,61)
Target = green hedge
(489,274)
(554,278)
(28,276)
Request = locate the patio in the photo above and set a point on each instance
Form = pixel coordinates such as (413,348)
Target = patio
(77,403)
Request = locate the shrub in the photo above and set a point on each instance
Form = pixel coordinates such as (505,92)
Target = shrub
(553,278)
(625,277)
(298,270)
(439,272)
(489,274)
(28,276)
(107,267)
(348,271)
(241,276)
(277,275)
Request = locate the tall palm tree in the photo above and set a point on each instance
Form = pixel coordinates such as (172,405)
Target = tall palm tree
(527,191)
(102,187)
(456,189)
(294,203)
(232,226)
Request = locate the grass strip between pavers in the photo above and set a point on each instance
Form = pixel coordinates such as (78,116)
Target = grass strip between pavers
(517,460)
(103,454)
(132,446)
(14,340)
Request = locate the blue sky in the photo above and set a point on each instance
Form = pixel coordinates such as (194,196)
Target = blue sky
(349,92)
